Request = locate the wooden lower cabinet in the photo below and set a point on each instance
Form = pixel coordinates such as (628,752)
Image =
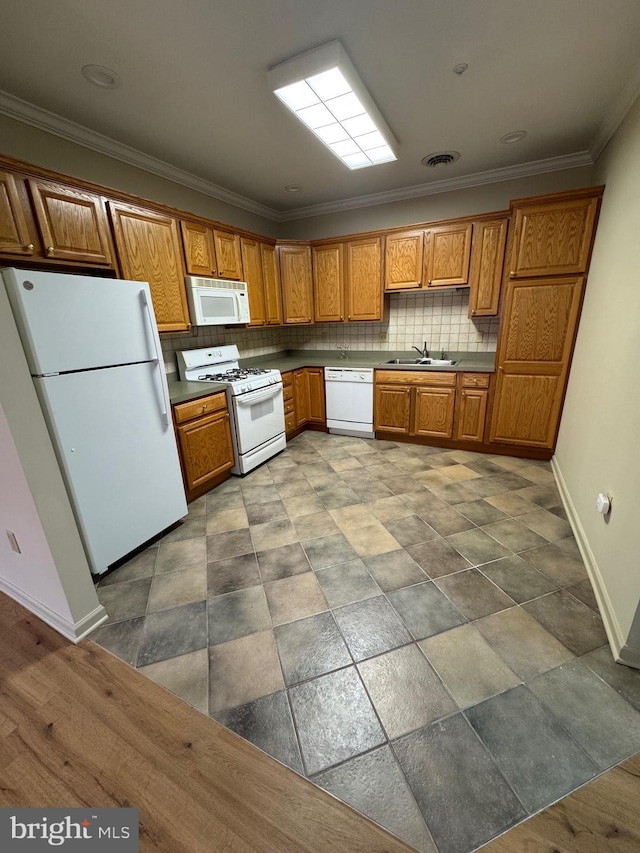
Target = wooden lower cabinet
(315,382)
(392,408)
(471,411)
(301,396)
(433,412)
(415,403)
(304,399)
(204,442)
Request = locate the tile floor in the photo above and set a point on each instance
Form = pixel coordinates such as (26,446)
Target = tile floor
(411,628)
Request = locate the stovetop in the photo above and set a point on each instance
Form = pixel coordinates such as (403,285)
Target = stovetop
(234,375)
(220,364)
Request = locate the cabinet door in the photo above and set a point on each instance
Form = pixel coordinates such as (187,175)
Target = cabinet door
(471,409)
(271,281)
(553,238)
(14,233)
(297,289)
(447,254)
(364,279)
(392,408)
(539,324)
(228,255)
(73,223)
(290,417)
(301,396)
(198,249)
(485,274)
(205,449)
(404,260)
(328,283)
(252,266)
(315,380)
(148,245)
(433,411)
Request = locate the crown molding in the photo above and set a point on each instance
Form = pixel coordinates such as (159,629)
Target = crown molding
(506,173)
(64,128)
(616,114)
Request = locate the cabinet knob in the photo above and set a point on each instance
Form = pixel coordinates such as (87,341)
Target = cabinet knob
(29,247)
(221,272)
(50,250)
(512,273)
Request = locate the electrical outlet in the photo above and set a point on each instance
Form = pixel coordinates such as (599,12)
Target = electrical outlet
(11,536)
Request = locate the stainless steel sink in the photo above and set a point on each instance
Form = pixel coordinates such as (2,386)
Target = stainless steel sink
(423,362)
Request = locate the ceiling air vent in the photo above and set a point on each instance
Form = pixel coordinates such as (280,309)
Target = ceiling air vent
(440,158)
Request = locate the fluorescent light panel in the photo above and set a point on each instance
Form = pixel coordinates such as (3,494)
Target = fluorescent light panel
(323,90)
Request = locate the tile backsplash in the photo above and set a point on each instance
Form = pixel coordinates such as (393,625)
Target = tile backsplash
(440,319)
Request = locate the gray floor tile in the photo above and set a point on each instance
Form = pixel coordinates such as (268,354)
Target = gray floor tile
(375,785)
(371,627)
(481,512)
(584,592)
(535,753)
(294,598)
(411,530)
(455,493)
(405,691)
(328,551)
(259,494)
(557,564)
(511,504)
(262,513)
(173,632)
(462,794)
(267,724)
(334,719)
(181,555)
(273,534)
(237,614)
(174,588)
(605,725)
(121,638)
(522,642)
(315,525)
(478,547)
(187,676)
(282,562)
(624,679)
(438,558)
(189,528)
(333,497)
(124,601)
(446,520)
(425,610)
(394,570)
(546,524)
(138,567)
(518,579)
(544,496)
(243,670)
(514,535)
(473,594)
(310,647)
(571,621)
(221,546)
(232,574)
(347,583)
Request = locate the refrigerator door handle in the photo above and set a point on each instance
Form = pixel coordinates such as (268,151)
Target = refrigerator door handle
(157,360)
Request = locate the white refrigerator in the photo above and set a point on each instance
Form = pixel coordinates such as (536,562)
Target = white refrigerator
(94,353)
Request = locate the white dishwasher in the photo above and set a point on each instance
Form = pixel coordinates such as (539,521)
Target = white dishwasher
(349,399)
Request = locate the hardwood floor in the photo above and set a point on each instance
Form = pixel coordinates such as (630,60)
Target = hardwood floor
(79,727)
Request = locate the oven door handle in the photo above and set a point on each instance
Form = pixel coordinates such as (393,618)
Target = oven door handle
(251,398)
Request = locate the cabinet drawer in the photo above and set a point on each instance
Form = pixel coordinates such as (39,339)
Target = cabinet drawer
(202,406)
(475,380)
(287,392)
(287,379)
(415,377)
(289,406)
(290,422)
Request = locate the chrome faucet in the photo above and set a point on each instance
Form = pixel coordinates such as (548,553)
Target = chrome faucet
(424,353)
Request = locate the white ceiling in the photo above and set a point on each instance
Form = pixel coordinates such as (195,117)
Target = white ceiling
(194,93)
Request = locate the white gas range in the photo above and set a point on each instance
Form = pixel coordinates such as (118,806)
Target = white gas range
(254,395)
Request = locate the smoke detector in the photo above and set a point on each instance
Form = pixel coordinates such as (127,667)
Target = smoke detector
(440,158)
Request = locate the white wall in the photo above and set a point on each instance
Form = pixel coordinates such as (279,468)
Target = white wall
(600,430)
(52,577)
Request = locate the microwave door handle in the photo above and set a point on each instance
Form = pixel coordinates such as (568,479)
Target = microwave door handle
(250,399)
(164,407)
(238,305)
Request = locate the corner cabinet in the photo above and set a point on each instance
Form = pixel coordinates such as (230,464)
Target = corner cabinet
(148,246)
(304,399)
(296,280)
(204,441)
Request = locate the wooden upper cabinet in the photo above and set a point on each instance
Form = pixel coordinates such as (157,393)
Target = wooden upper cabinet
(148,245)
(297,288)
(539,324)
(328,283)
(485,274)
(199,253)
(447,255)
(553,237)
(364,279)
(228,256)
(252,266)
(271,281)
(72,223)
(404,260)
(14,233)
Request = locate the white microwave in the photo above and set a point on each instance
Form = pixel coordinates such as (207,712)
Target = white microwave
(217,302)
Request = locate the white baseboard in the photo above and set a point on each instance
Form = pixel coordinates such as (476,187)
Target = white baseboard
(621,652)
(73,631)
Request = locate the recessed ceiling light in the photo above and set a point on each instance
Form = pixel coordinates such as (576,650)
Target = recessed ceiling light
(440,158)
(293,188)
(460,68)
(514,136)
(101,76)
(322,89)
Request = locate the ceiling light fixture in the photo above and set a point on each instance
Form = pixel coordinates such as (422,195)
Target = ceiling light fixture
(101,76)
(323,89)
(514,136)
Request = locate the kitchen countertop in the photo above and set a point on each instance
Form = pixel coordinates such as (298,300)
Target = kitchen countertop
(471,362)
